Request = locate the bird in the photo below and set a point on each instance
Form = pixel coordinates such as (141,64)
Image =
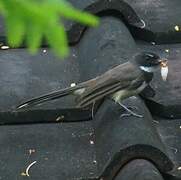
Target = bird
(118,83)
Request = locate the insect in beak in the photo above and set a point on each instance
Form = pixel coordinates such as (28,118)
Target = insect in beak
(164,68)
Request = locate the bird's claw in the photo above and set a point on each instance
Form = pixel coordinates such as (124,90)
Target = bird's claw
(131,114)
(125,115)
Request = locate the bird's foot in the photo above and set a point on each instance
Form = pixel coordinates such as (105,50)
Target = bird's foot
(130,112)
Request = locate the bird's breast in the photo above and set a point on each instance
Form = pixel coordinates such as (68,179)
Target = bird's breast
(123,94)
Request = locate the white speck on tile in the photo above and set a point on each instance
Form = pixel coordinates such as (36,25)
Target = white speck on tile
(4,47)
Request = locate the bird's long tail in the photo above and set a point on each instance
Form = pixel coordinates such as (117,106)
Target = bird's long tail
(47,97)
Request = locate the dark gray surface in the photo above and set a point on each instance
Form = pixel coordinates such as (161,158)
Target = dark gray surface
(62,151)
(170,134)
(139,169)
(104,47)
(159,15)
(114,133)
(160,18)
(24,76)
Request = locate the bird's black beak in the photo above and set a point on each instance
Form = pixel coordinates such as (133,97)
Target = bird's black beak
(164,68)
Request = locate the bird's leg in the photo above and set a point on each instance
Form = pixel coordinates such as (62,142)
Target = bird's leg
(130,112)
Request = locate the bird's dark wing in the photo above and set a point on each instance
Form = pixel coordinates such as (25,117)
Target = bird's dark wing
(113,80)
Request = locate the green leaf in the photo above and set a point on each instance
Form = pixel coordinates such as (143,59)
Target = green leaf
(15,27)
(68,11)
(33,19)
(34,37)
(2,8)
(57,39)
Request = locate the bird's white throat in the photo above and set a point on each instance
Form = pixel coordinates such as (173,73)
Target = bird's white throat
(147,69)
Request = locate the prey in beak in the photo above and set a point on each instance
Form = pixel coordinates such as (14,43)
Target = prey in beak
(164,68)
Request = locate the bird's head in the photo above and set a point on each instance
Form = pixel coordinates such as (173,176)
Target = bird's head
(150,62)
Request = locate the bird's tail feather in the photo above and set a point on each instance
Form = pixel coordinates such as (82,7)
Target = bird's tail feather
(47,97)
